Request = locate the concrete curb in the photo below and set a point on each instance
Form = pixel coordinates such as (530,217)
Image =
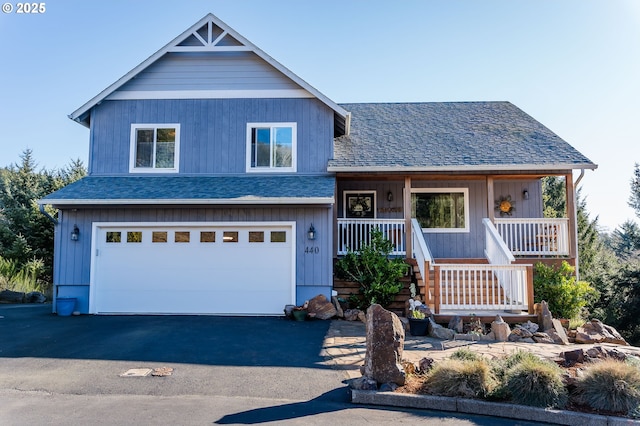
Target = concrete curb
(486,408)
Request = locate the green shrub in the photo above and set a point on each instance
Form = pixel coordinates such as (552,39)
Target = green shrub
(371,267)
(558,287)
(610,385)
(453,377)
(464,354)
(535,382)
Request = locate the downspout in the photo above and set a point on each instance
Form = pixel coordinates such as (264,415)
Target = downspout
(575,222)
(44,212)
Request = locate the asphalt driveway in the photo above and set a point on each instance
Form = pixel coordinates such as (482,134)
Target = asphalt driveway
(210,355)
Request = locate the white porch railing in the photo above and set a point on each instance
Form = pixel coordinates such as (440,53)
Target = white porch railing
(476,288)
(536,237)
(421,252)
(495,248)
(353,233)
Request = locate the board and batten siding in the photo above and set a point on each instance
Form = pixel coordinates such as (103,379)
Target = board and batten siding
(314,268)
(530,208)
(212,132)
(209,71)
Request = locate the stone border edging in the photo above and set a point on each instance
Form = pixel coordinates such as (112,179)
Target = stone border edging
(486,408)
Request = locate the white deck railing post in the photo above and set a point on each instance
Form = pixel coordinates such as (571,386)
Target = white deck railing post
(535,237)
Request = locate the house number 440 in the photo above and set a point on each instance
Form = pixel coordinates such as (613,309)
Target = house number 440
(312,250)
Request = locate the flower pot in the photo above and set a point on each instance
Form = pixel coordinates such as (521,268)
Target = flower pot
(418,327)
(299,315)
(65,306)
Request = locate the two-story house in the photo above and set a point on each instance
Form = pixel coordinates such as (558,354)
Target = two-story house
(222,183)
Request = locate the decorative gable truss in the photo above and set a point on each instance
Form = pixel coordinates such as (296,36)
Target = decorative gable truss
(210,38)
(208,35)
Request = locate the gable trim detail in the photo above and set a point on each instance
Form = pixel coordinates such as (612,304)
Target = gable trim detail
(208,94)
(202,37)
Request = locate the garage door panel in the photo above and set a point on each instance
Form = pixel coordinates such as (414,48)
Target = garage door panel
(193,277)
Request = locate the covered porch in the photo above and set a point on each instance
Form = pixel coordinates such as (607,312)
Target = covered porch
(500,278)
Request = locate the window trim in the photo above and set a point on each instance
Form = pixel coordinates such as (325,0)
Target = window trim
(132,148)
(294,148)
(465,193)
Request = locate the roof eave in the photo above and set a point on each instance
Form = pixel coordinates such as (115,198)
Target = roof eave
(469,168)
(251,200)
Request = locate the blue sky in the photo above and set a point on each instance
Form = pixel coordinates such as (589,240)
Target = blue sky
(574,65)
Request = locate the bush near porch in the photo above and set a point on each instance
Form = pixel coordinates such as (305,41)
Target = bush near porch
(371,267)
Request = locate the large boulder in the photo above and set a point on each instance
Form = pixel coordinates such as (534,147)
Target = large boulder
(440,332)
(321,308)
(557,333)
(8,296)
(35,297)
(595,331)
(456,324)
(545,319)
(385,345)
(500,329)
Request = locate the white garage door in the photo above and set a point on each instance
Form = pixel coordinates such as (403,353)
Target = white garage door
(235,268)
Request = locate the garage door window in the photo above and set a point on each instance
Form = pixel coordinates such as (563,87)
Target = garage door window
(207,237)
(134,237)
(256,237)
(159,237)
(182,237)
(230,237)
(114,237)
(278,237)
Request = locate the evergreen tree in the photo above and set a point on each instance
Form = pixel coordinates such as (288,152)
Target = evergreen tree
(634,199)
(554,197)
(25,233)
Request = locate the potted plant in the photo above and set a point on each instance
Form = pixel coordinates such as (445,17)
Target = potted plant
(299,313)
(418,323)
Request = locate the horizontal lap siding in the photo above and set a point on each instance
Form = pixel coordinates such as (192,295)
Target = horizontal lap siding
(210,71)
(212,132)
(73,259)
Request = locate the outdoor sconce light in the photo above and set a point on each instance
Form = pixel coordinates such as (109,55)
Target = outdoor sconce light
(525,194)
(389,196)
(311,233)
(75,233)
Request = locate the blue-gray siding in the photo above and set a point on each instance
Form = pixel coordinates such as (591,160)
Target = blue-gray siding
(72,261)
(212,132)
(210,71)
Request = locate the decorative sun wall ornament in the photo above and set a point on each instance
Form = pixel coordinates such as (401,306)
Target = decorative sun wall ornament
(505,205)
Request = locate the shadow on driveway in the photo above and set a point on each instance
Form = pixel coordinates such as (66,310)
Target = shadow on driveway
(207,340)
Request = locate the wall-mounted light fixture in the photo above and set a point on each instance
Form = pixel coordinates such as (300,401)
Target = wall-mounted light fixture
(525,194)
(75,233)
(389,196)
(311,233)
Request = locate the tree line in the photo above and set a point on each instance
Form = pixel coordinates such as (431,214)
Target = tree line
(26,235)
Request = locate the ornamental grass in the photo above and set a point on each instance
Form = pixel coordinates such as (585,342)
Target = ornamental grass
(535,382)
(610,385)
(464,378)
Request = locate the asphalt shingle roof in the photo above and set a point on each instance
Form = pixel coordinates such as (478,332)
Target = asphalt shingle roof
(205,189)
(450,135)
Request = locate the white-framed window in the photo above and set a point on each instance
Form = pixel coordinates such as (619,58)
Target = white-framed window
(155,148)
(441,209)
(271,147)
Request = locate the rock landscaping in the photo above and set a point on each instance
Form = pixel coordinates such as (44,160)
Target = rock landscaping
(521,377)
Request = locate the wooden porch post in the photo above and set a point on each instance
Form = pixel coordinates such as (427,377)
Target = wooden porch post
(573,218)
(530,301)
(436,289)
(406,201)
(490,197)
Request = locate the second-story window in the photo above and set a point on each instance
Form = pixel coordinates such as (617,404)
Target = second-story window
(154,147)
(271,147)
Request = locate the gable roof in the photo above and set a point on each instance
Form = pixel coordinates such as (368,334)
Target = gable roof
(450,136)
(194,190)
(210,34)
